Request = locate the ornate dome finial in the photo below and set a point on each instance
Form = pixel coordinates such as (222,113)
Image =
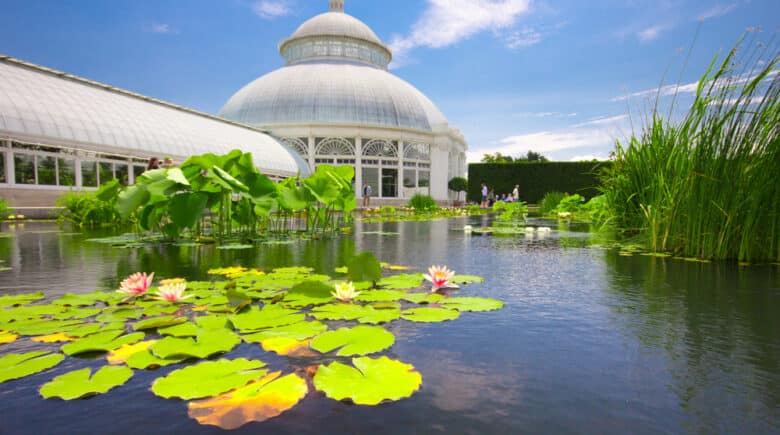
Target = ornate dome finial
(337,5)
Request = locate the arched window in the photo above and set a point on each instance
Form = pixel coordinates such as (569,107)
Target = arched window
(335,146)
(380,148)
(298,144)
(417,151)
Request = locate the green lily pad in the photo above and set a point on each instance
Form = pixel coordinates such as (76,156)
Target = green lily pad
(380,296)
(26,298)
(308,293)
(119,315)
(466,279)
(297,331)
(364,267)
(361,313)
(401,281)
(369,382)
(212,321)
(472,304)
(208,379)
(101,342)
(207,343)
(159,322)
(19,365)
(156,310)
(145,359)
(429,314)
(84,329)
(423,298)
(187,329)
(32,312)
(77,313)
(235,247)
(269,317)
(360,340)
(40,326)
(86,300)
(79,383)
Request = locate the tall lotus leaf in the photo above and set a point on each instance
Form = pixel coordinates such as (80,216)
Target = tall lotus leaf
(292,197)
(208,342)
(370,382)
(177,175)
(185,209)
(322,187)
(472,304)
(347,173)
(208,379)
(19,365)
(151,176)
(308,293)
(11,300)
(101,342)
(108,190)
(131,198)
(161,190)
(269,317)
(150,217)
(360,340)
(203,161)
(429,314)
(256,402)
(259,186)
(364,267)
(78,384)
(231,181)
(296,331)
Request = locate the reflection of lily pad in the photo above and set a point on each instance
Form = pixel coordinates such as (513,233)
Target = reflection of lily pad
(101,342)
(472,304)
(256,402)
(308,293)
(360,340)
(158,322)
(78,384)
(427,314)
(370,382)
(207,343)
(208,379)
(269,317)
(19,365)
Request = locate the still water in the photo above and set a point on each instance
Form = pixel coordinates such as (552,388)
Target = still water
(588,341)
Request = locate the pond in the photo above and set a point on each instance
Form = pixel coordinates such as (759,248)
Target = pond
(589,341)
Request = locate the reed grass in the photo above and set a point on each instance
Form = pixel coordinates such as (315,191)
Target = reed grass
(708,186)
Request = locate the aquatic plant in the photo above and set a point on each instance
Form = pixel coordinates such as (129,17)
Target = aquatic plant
(550,201)
(345,292)
(440,277)
(136,284)
(172,292)
(420,202)
(92,209)
(5,209)
(511,211)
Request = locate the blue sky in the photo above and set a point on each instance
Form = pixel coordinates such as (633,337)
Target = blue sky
(513,75)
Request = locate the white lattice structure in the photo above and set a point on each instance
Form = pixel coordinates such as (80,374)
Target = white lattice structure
(335,102)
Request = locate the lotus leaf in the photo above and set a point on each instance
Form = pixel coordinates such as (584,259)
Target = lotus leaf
(7,337)
(256,402)
(32,312)
(77,313)
(119,315)
(212,321)
(269,317)
(423,298)
(156,310)
(472,304)
(429,314)
(41,326)
(363,314)
(370,382)
(19,365)
(145,360)
(159,322)
(364,267)
(207,343)
(101,342)
(78,384)
(185,209)
(182,330)
(296,331)
(120,355)
(308,293)
(466,279)
(381,296)
(59,337)
(401,281)
(360,340)
(208,379)
(26,298)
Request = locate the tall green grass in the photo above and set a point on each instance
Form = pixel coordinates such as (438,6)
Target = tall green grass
(708,186)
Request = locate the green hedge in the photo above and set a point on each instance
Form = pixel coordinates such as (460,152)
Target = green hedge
(535,178)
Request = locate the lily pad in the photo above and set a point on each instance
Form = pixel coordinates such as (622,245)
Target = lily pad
(369,382)
(235,247)
(79,383)
(212,321)
(156,310)
(85,300)
(401,281)
(269,317)
(466,279)
(32,312)
(187,329)
(7,337)
(207,343)
(26,298)
(472,304)
(120,355)
(101,342)
(364,267)
(146,360)
(380,296)
(361,313)
(360,340)
(119,315)
(256,402)
(84,329)
(77,313)
(423,298)
(208,379)
(429,314)
(159,322)
(308,293)
(59,337)
(41,326)
(296,331)
(19,365)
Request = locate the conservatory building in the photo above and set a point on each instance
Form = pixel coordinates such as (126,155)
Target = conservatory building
(334,102)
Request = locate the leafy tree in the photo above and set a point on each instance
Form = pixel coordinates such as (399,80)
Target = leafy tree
(458,184)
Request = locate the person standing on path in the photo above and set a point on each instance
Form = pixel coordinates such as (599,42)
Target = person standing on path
(516,193)
(366,195)
(484,196)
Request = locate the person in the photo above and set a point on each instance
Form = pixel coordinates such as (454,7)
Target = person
(491,198)
(154,163)
(516,193)
(484,196)
(366,195)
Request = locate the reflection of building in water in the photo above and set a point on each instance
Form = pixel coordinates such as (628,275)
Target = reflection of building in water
(334,102)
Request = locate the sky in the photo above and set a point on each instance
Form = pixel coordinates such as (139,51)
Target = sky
(566,78)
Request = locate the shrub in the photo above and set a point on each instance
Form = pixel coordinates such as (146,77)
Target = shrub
(511,211)
(550,201)
(5,210)
(422,202)
(569,204)
(388,210)
(90,209)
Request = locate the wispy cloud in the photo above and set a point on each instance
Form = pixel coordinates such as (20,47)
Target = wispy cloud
(446,22)
(717,11)
(524,37)
(650,34)
(158,28)
(546,114)
(690,88)
(271,9)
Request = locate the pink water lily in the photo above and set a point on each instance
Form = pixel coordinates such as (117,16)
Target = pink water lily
(172,292)
(440,277)
(136,284)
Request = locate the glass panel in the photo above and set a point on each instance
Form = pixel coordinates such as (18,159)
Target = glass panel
(371,177)
(2,168)
(138,170)
(389,183)
(24,168)
(106,172)
(424,179)
(121,172)
(67,169)
(47,170)
(89,174)
(410,178)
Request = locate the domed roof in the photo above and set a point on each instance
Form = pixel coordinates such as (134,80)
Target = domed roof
(332,93)
(336,24)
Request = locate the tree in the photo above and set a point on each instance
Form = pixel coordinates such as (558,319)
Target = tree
(458,184)
(496,158)
(531,156)
(535,157)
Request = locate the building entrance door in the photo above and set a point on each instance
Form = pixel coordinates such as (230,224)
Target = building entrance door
(389,183)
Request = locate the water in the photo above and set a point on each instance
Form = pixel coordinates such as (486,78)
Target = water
(589,341)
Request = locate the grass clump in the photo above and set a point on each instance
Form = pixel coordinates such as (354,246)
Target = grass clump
(550,201)
(421,202)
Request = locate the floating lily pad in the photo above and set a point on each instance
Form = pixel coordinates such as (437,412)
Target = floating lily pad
(423,298)
(429,314)
(86,300)
(256,402)
(119,315)
(212,321)
(120,355)
(19,365)
(370,382)
(380,296)
(7,337)
(360,340)
(308,293)
(208,379)
(466,279)
(78,384)
(159,322)
(156,310)
(32,312)
(269,317)
(364,267)
(235,247)
(361,313)
(145,359)
(401,281)
(296,331)
(77,313)
(472,304)
(59,337)
(12,300)
(84,329)
(207,343)
(40,326)
(187,329)
(101,342)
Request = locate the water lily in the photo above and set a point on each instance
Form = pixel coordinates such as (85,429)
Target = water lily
(468,229)
(345,292)
(172,292)
(136,284)
(440,276)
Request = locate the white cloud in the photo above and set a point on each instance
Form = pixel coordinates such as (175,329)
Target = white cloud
(446,22)
(690,88)
(525,37)
(650,33)
(546,114)
(158,28)
(717,11)
(270,9)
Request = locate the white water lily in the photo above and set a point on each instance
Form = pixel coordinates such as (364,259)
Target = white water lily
(172,292)
(564,214)
(468,228)
(543,230)
(345,292)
